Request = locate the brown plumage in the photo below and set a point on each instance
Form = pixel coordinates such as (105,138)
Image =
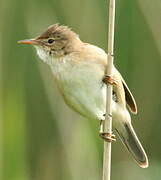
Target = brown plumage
(58,32)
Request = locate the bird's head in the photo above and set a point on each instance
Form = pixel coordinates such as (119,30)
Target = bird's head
(56,41)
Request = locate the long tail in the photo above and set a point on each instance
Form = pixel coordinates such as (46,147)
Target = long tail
(130,140)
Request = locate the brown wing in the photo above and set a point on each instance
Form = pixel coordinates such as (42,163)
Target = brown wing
(130,101)
(129,98)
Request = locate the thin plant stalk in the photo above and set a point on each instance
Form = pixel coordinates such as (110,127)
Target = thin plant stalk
(107,125)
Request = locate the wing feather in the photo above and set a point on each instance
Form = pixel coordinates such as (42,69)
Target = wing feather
(130,101)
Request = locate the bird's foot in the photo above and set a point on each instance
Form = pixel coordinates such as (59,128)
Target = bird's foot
(108,79)
(108,137)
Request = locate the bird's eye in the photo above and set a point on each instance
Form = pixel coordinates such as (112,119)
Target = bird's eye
(50,41)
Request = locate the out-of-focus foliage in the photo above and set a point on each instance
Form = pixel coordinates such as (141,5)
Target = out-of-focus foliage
(40,137)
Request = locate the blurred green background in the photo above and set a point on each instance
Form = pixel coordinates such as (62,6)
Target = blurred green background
(40,137)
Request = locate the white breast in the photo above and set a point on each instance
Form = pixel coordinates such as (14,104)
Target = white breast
(80,82)
(81,86)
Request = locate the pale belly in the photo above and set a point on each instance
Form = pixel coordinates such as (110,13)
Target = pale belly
(82,88)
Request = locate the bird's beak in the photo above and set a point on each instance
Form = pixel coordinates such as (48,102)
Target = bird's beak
(28,41)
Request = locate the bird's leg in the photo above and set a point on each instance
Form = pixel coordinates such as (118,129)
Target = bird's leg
(108,137)
(108,79)
(104,135)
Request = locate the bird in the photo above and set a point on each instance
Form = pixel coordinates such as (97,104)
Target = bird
(79,71)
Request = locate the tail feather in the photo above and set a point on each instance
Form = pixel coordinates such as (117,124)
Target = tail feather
(130,140)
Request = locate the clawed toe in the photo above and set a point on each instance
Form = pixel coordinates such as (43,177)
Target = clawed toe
(108,79)
(108,137)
